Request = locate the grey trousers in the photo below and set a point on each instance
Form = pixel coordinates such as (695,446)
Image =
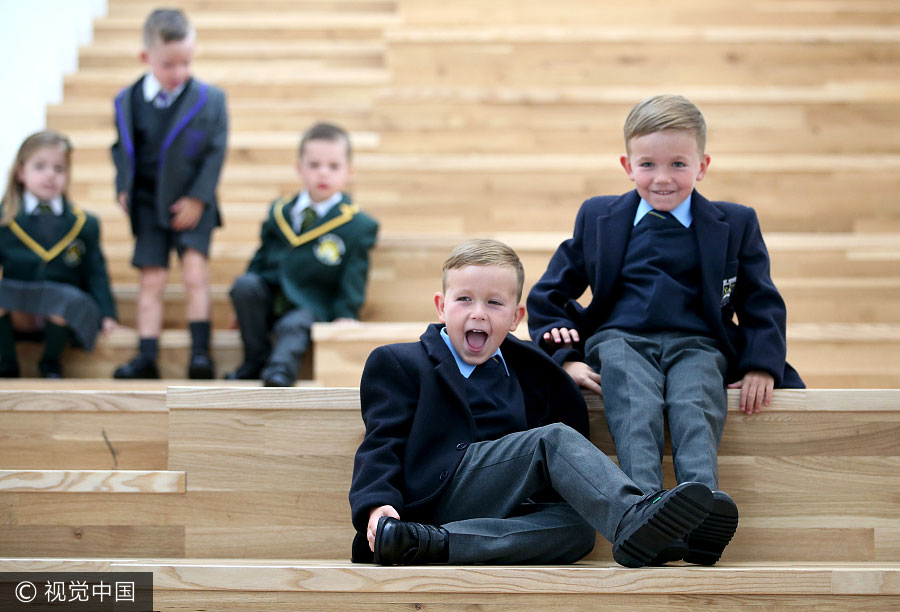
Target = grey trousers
(487,511)
(252,299)
(648,377)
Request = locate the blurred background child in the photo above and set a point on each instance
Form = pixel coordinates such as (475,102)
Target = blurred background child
(54,273)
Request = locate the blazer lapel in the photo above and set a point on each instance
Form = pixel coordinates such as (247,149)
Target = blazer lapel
(613,232)
(446,369)
(125,121)
(195,97)
(713,251)
(24,227)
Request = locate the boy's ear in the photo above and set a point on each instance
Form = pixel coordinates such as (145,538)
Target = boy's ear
(704,166)
(439,306)
(626,163)
(520,314)
(144,57)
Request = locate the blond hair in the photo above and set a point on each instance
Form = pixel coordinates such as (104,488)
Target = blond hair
(12,198)
(665,112)
(485,252)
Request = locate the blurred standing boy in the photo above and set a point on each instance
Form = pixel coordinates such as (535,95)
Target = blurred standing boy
(172,132)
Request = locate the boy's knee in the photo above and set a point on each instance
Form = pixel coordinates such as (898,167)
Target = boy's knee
(291,323)
(583,543)
(247,286)
(558,431)
(154,279)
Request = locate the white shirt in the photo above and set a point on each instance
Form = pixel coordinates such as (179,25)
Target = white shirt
(152,87)
(31,203)
(304,202)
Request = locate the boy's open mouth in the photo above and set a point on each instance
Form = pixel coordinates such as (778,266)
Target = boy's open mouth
(476,339)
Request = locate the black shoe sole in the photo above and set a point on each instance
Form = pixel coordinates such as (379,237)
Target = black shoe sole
(378,531)
(710,538)
(200,373)
(683,509)
(125,373)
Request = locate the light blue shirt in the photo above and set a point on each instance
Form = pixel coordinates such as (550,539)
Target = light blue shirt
(682,212)
(466,369)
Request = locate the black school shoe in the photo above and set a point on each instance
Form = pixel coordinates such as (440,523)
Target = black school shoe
(709,539)
(9,369)
(138,367)
(407,543)
(201,367)
(249,370)
(50,369)
(658,521)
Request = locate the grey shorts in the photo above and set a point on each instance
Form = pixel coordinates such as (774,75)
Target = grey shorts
(154,243)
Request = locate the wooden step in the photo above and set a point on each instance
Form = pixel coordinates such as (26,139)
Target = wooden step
(416,125)
(251,114)
(400,255)
(331,584)
(121,346)
(810,475)
(828,356)
(281,23)
(245,147)
(139,9)
(91,481)
(643,16)
(469,194)
(566,56)
(285,80)
(330,54)
(60,428)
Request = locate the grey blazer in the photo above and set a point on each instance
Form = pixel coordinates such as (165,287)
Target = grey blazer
(192,154)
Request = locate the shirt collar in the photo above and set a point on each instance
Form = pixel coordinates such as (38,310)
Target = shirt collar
(466,369)
(152,87)
(322,208)
(31,202)
(682,212)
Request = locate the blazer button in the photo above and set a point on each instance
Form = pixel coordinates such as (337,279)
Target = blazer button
(461,446)
(443,475)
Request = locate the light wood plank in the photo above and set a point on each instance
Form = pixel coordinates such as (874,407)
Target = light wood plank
(92,481)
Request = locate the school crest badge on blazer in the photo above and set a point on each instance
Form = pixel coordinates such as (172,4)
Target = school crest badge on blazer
(728,289)
(329,249)
(74,253)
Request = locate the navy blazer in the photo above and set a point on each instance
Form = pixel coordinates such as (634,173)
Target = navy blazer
(419,424)
(192,154)
(734,266)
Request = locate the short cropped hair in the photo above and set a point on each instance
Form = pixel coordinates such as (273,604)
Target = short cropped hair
(326,131)
(665,112)
(166,25)
(485,252)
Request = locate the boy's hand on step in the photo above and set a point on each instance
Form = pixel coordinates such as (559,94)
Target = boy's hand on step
(583,375)
(756,390)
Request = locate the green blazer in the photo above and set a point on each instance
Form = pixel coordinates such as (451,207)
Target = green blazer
(72,256)
(323,269)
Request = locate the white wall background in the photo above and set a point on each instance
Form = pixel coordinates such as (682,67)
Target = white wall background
(39,42)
